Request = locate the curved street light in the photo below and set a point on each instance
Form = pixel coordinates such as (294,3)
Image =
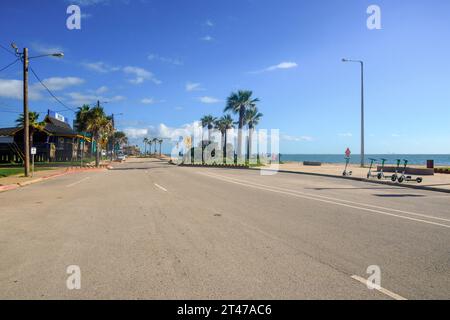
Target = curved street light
(362,106)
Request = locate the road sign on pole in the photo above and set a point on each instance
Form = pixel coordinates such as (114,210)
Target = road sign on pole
(348,153)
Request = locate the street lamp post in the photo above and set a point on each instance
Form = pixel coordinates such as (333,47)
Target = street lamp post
(23,56)
(113,151)
(362,107)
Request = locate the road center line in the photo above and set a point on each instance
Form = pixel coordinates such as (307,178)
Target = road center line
(78,182)
(325,200)
(159,187)
(380,289)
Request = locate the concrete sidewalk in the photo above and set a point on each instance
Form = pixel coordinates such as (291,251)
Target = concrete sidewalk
(438,182)
(17,181)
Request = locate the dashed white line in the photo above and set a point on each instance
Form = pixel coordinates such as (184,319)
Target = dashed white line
(78,182)
(380,289)
(161,188)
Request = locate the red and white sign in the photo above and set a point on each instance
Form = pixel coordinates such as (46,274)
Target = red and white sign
(348,153)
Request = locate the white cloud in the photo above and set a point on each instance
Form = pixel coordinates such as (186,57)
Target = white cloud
(148,101)
(346,135)
(13,89)
(134,133)
(140,75)
(163,131)
(297,139)
(80,98)
(280,66)
(191,86)
(100,67)
(101,90)
(174,61)
(42,48)
(209,100)
(57,83)
(207,38)
(209,23)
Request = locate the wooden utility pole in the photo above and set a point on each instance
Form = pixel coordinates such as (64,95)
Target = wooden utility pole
(26,118)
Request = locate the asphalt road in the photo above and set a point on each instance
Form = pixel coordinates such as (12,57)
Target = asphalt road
(148,230)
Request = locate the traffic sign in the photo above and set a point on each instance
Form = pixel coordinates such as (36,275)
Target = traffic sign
(33,151)
(348,153)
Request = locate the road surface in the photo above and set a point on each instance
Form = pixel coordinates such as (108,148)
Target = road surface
(149,230)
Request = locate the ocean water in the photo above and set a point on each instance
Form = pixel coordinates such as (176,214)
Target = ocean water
(414,159)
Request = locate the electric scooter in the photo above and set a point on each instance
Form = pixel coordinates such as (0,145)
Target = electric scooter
(381,174)
(347,173)
(403,177)
(371,174)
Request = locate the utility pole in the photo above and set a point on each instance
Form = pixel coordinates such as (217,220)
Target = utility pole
(26,117)
(113,138)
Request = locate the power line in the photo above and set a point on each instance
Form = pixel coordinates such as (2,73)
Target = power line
(51,93)
(7,50)
(9,65)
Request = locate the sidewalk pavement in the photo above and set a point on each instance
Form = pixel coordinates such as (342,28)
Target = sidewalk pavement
(438,182)
(17,181)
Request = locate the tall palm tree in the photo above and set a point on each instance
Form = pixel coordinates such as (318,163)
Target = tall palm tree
(35,124)
(120,138)
(238,103)
(223,125)
(99,125)
(150,142)
(155,141)
(81,118)
(208,122)
(160,141)
(145,145)
(252,119)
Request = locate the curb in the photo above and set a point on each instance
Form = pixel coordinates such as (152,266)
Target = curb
(68,171)
(386,183)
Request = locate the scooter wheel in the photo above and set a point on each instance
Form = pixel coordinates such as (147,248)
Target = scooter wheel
(401,179)
(344,174)
(380,176)
(394,178)
(419,180)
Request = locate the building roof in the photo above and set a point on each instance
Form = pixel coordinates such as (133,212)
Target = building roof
(9,131)
(56,127)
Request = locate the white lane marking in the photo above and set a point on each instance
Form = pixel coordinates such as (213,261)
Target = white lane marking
(315,198)
(380,289)
(78,182)
(159,187)
(334,199)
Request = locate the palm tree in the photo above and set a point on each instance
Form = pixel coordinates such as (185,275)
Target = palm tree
(120,138)
(208,122)
(155,141)
(80,118)
(238,103)
(145,145)
(150,142)
(35,124)
(160,146)
(252,118)
(223,125)
(100,126)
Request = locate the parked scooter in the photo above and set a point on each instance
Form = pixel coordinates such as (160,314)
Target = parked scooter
(403,177)
(372,174)
(347,173)
(381,174)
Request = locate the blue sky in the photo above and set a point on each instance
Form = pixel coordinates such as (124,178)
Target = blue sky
(164,64)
